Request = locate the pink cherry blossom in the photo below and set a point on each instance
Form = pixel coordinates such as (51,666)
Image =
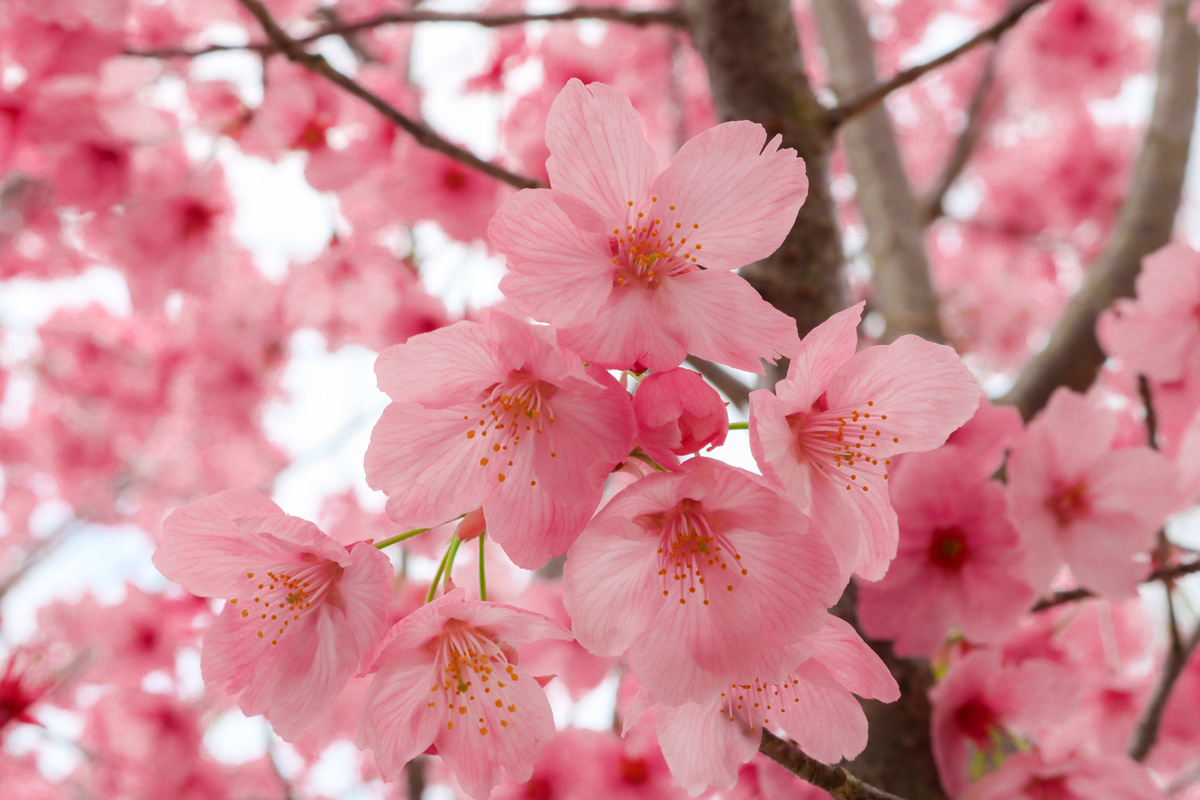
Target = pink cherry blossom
(982,702)
(1077,502)
(678,413)
(1031,776)
(700,575)
(496,416)
(447,676)
(705,743)
(303,611)
(829,432)
(1158,334)
(958,565)
(613,255)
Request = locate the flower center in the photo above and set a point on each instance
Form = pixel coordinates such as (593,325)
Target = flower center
(851,442)
(475,680)
(948,548)
(649,250)
(976,719)
(1069,503)
(281,595)
(688,548)
(511,411)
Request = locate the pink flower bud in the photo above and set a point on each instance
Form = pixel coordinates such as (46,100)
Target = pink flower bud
(678,413)
(471,526)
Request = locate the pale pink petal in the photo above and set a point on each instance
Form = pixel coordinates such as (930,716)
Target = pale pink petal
(628,332)
(206,552)
(923,388)
(773,445)
(798,573)
(600,164)
(609,585)
(419,457)
(440,367)
(853,664)
(516,626)
(702,746)
(741,191)
(828,722)
(824,350)
(396,723)
(720,317)
(862,526)
(556,272)
(364,596)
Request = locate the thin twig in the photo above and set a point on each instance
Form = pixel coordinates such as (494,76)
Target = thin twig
(1071,595)
(726,382)
(835,780)
(1151,416)
(1146,732)
(844,111)
(664,16)
(414,778)
(932,203)
(424,135)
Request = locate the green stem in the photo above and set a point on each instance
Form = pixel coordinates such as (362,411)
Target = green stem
(450,556)
(739,426)
(443,568)
(482,569)
(401,537)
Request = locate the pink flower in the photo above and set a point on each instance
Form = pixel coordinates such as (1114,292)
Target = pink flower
(1158,333)
(496,416)
(703,575)
(303,611)
(980,703)
(1077,502)
(613,254)
(958,565)
(1031,776)
(705,743)
(446,675)
(830,431)
(678,413)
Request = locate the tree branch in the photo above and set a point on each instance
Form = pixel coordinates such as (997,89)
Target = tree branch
(931,204)
(424,135)
(902,288)
(663,16)
(1071,595)
(751,50)
(1146,732)
(874,95)
(1073,355)
(834,780)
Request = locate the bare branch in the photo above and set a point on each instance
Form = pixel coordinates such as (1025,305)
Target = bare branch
(903,289)
(1073,355)
(1167,573)
(424,135)
(334,27)
(835,780)
(414,778)
(1146,732)
(931,204)
(874,95)
(1151,416)
(737,392)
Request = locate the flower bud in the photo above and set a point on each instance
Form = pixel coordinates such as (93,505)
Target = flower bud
(678,413)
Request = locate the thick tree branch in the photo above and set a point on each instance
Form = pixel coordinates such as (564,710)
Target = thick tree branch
(335,27)
(1167,573)
(834,780)
(751,50)
(424,135)
(1073,355)
(872,96)
(903,290)
(1146,732)
(931,204)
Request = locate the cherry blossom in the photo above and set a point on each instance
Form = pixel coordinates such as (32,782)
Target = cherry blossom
(303,611)
(678,413)
(446,675)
